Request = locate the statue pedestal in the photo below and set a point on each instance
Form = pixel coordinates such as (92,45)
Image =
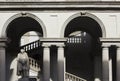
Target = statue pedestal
(23,79)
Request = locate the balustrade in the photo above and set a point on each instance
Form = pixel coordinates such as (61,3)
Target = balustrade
(31,45)
(71,77)
(34,65)
(76,39)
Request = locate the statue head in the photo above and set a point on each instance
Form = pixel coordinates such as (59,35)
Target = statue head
(22,50)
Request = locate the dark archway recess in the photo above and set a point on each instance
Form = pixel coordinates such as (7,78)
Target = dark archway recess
(84,24)
(17,28)
(80,56)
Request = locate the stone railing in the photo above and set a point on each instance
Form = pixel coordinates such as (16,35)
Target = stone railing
(31,45)
(34,65)
(71,77)
(76,39)
(68,77)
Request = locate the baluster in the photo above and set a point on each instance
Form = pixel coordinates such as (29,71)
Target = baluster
(26,48)
(30,46)
(77,79)
(68,40)
(34,44)
(75,39)
(72,78)
(72,40)
(78,40)
(37,44)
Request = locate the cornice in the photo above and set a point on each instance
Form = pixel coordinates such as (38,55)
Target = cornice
(110,40)
(61,5)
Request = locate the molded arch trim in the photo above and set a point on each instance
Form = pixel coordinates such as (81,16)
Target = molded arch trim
(4,34)
(86,14)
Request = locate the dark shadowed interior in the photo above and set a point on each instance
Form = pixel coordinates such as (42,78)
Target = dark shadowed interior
(80,55)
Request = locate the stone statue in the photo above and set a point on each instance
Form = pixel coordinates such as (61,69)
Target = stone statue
(23,64)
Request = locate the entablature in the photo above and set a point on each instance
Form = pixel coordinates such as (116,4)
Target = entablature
(61,5)
(107,42)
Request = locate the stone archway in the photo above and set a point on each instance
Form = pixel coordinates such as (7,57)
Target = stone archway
(87,15)
(13,29)
(4,34)
(81,55)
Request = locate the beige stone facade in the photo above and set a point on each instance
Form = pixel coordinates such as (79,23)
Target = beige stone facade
(73,40)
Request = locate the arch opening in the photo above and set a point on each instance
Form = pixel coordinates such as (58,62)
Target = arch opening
(17,29)
(83,46)
(84,24)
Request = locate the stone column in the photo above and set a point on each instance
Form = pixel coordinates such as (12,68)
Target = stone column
(118,64)
(2,61)
(110,69)
(46,63)
(105,63)
(61,68)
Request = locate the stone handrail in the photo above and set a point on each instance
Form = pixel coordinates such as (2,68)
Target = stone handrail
(71,77)
(76,39)
(31,45)
(28,47)
(68,76)
(34,65)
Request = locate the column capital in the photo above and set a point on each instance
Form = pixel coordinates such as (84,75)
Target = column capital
(47,45)
(60,45)
(106,45)
(118,45)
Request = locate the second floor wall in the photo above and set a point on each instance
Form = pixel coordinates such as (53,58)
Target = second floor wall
(54,21)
